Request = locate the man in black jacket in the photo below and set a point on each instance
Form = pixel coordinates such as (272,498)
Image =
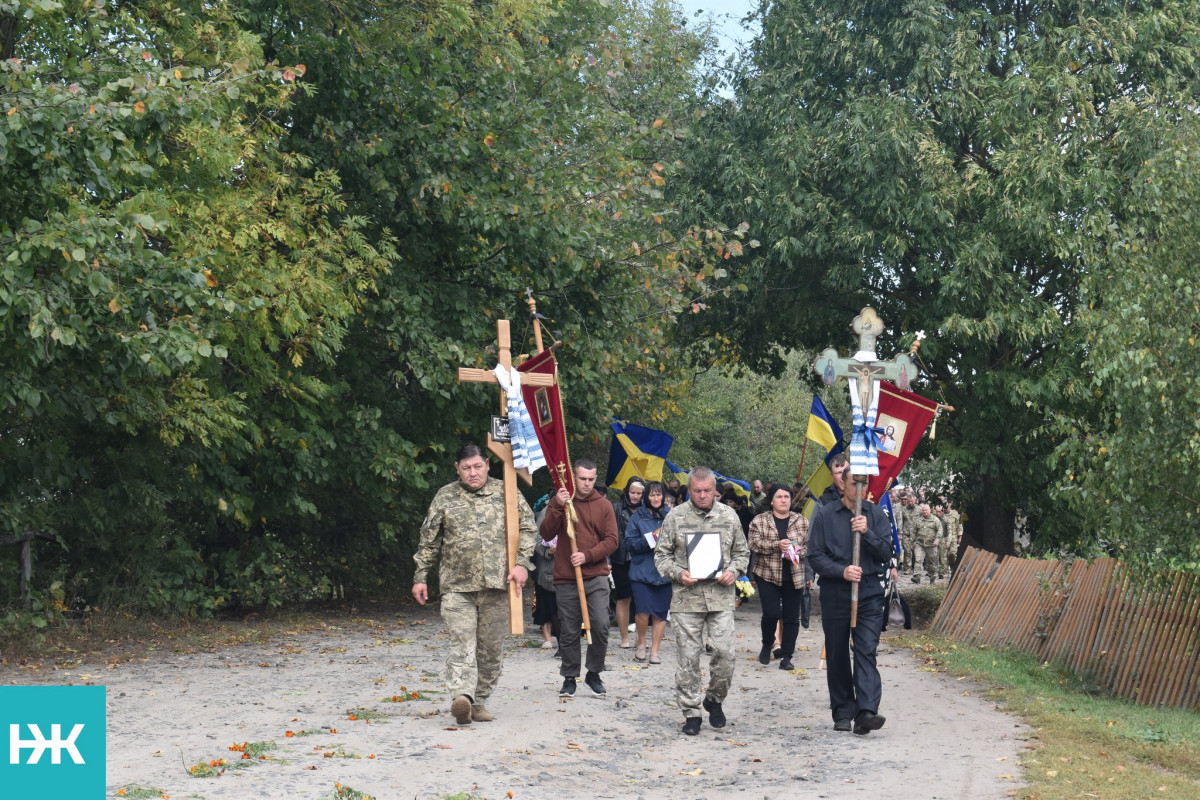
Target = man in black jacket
(854,690)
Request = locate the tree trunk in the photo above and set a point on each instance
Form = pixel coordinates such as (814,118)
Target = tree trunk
(989,525)
(8,36)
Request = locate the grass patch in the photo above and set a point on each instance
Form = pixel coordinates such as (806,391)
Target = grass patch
(368,715)
(1084,744)
(119,635)
(135,792)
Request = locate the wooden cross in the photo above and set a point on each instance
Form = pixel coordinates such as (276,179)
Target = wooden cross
(503,451)
(867,368)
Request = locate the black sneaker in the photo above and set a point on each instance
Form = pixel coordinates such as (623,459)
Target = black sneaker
(716,716)
(843,725)
(786,664)
(568,688)
(592,679)
(691,726)
(866,722)
(764,655)
(777,652)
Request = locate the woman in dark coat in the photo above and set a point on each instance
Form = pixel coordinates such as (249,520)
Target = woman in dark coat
(651,591)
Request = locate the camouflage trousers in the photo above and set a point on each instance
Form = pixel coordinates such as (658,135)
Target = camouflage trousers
(478,623)
(906,553)
(689,642)
(925,555)
(944,557)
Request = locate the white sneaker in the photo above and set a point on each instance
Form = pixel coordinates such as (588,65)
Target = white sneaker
(632,627)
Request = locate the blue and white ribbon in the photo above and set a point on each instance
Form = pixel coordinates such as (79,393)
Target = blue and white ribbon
(864,437)
(526,449)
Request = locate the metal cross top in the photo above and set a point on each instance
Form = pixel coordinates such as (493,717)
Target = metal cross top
(865,364)
(867,370)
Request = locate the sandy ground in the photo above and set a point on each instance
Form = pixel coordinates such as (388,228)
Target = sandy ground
(167,712)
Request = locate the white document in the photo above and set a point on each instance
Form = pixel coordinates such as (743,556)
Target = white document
(705,560)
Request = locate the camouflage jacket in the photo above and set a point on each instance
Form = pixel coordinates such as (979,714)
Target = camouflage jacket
(908,520)
(671,555)
(465,531)
(927,530)
(953,526)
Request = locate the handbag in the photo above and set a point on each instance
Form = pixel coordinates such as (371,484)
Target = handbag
(898,612)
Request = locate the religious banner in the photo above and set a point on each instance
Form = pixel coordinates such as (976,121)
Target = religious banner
(545,410)
(903,418)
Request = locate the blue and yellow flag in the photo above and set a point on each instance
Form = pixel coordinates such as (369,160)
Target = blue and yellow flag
(822,430)
(636,452)
(825,433)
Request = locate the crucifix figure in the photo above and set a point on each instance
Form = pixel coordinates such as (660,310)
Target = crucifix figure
(503,451)
(863,370)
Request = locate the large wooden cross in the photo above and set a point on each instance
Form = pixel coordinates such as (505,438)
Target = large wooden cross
(503,451)
(866,366)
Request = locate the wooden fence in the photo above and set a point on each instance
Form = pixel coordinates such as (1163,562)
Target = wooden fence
(1136,638)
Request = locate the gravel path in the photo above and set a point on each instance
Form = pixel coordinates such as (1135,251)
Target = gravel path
(169,712)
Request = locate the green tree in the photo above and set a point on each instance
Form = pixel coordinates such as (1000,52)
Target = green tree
(1131,471)
(960,167)
(168,278)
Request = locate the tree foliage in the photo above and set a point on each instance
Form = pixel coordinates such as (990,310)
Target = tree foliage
(247,245)
(961,167)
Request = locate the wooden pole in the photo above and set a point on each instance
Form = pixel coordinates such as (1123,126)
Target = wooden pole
(569,511)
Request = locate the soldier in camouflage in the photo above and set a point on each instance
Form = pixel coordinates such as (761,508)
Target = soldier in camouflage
(927,534)
(908,524)
(701,601)
(953,534)
(464,529)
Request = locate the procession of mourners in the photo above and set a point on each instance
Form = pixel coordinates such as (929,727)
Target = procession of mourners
(682,562)
(685,552)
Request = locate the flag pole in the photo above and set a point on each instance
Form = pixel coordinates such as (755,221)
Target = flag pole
(803,450)
(570,514)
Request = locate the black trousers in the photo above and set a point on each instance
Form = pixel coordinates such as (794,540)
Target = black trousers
(852,687)
(780,602)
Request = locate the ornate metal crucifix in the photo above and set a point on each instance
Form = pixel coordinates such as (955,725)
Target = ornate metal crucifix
(503,451)
(866,369)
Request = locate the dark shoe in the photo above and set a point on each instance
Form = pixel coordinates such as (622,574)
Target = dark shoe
(941,577)
(592,679)
(716,716)
(843,725)
(568,688)
(786,664)
(804,624)
(866,722)
(777,652)
(916,579)
(708,649)
(691,726)
(461,709)
(764,655)
(558,653)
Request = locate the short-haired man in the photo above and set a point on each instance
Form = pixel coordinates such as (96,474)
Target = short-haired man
(702,601)
(927,535)
(465,530)
(855,690)
(758,498)
(596,539)
(837,467)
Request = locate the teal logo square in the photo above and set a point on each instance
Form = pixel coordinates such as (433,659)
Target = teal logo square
(53,741)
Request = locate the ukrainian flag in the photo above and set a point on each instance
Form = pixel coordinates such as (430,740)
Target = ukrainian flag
(636,452)
(740,488)
(824,432)
(673,470)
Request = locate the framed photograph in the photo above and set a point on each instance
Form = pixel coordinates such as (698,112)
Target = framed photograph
(705,560)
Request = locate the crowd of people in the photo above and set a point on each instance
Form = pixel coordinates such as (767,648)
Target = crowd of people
(664,553)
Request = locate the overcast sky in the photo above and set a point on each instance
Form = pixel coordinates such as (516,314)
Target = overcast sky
(728,14)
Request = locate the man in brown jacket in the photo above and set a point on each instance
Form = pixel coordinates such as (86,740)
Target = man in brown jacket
(596,538)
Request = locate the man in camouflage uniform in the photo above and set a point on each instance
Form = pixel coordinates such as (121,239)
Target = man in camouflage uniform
(927,534)
(702,601)
(465,530)
(953,534)
(943,542)
(908,524)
